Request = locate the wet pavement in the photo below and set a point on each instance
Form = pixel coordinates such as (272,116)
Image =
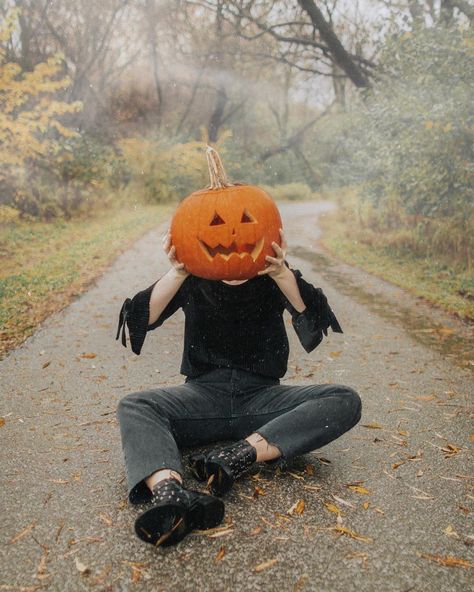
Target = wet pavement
(388,506)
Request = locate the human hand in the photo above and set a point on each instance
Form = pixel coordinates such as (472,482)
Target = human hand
(170,250)
(277,267)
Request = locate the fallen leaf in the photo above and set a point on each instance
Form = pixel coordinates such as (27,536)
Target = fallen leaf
(309,470)
(446,330)
(359,489)
(358,555)
(300,582)
(258,491)
(366,505)
(297,508)
(41,569)
(332,508)
(136,574)
(450,532)
(220,554)
(267,522)
(282,517)
(60,528)
(46,364)
(83,569)
(265,565)
(216,535)
(398,464)
(296,476)
(216,529)
(471,437)
(22,533)
(450,450)
(88,356)
(256,530)
(351,533)
(343,501)
(447,561)
(2,422)
(106,519)
(372,426)
(313,487)
(335,354)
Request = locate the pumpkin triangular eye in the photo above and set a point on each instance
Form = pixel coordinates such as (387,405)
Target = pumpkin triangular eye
(246,217)
(217,220)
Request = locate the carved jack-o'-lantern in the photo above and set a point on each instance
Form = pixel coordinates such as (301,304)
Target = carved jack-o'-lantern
(226,230)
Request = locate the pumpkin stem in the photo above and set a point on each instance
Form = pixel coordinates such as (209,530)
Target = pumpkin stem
(216,170)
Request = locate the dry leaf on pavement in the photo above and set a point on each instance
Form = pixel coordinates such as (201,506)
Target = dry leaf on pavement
(220,554)
(81,567)
(450,450)
(359,489)
(332,508)
(447,561)
(265,565)
(351,533)
(297,508)
(22,533)
(106,519)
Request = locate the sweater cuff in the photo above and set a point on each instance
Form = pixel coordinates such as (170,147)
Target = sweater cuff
(317,316)
(135,314)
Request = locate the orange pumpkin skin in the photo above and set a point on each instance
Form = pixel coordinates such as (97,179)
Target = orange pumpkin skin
(225,234)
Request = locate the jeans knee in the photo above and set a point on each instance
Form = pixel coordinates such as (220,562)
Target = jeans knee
(130,402)
(355,403)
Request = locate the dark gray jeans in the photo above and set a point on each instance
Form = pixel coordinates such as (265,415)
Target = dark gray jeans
(228,404)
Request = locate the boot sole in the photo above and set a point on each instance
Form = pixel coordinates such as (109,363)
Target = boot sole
(202,514)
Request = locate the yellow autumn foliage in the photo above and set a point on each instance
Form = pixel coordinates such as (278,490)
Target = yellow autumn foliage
(29,111)
(160,171)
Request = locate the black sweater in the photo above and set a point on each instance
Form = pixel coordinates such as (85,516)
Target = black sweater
(233,326)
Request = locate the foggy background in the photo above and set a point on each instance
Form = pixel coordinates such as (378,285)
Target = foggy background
(111,101)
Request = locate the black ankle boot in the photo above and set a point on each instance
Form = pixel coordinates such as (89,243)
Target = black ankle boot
(225,465)
(175,512)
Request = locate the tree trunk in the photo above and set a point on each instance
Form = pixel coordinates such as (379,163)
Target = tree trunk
(339,86)
(338,53)
(152,25)
(217,116)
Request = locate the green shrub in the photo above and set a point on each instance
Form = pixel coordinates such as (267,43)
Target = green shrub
(289,191)
(160,171)
(412,134)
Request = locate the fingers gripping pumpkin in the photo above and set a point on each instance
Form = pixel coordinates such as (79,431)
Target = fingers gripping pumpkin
(226,230)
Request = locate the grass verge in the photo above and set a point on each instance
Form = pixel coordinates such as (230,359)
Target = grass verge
(46,264)
(430,278)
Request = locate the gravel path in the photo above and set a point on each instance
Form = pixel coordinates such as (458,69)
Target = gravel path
(383,505)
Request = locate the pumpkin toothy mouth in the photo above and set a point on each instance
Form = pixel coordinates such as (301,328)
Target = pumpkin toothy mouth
(252,250)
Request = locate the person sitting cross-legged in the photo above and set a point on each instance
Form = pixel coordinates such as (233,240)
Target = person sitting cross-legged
(235,353)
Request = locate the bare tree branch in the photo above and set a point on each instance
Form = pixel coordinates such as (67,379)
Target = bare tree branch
(340,55)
